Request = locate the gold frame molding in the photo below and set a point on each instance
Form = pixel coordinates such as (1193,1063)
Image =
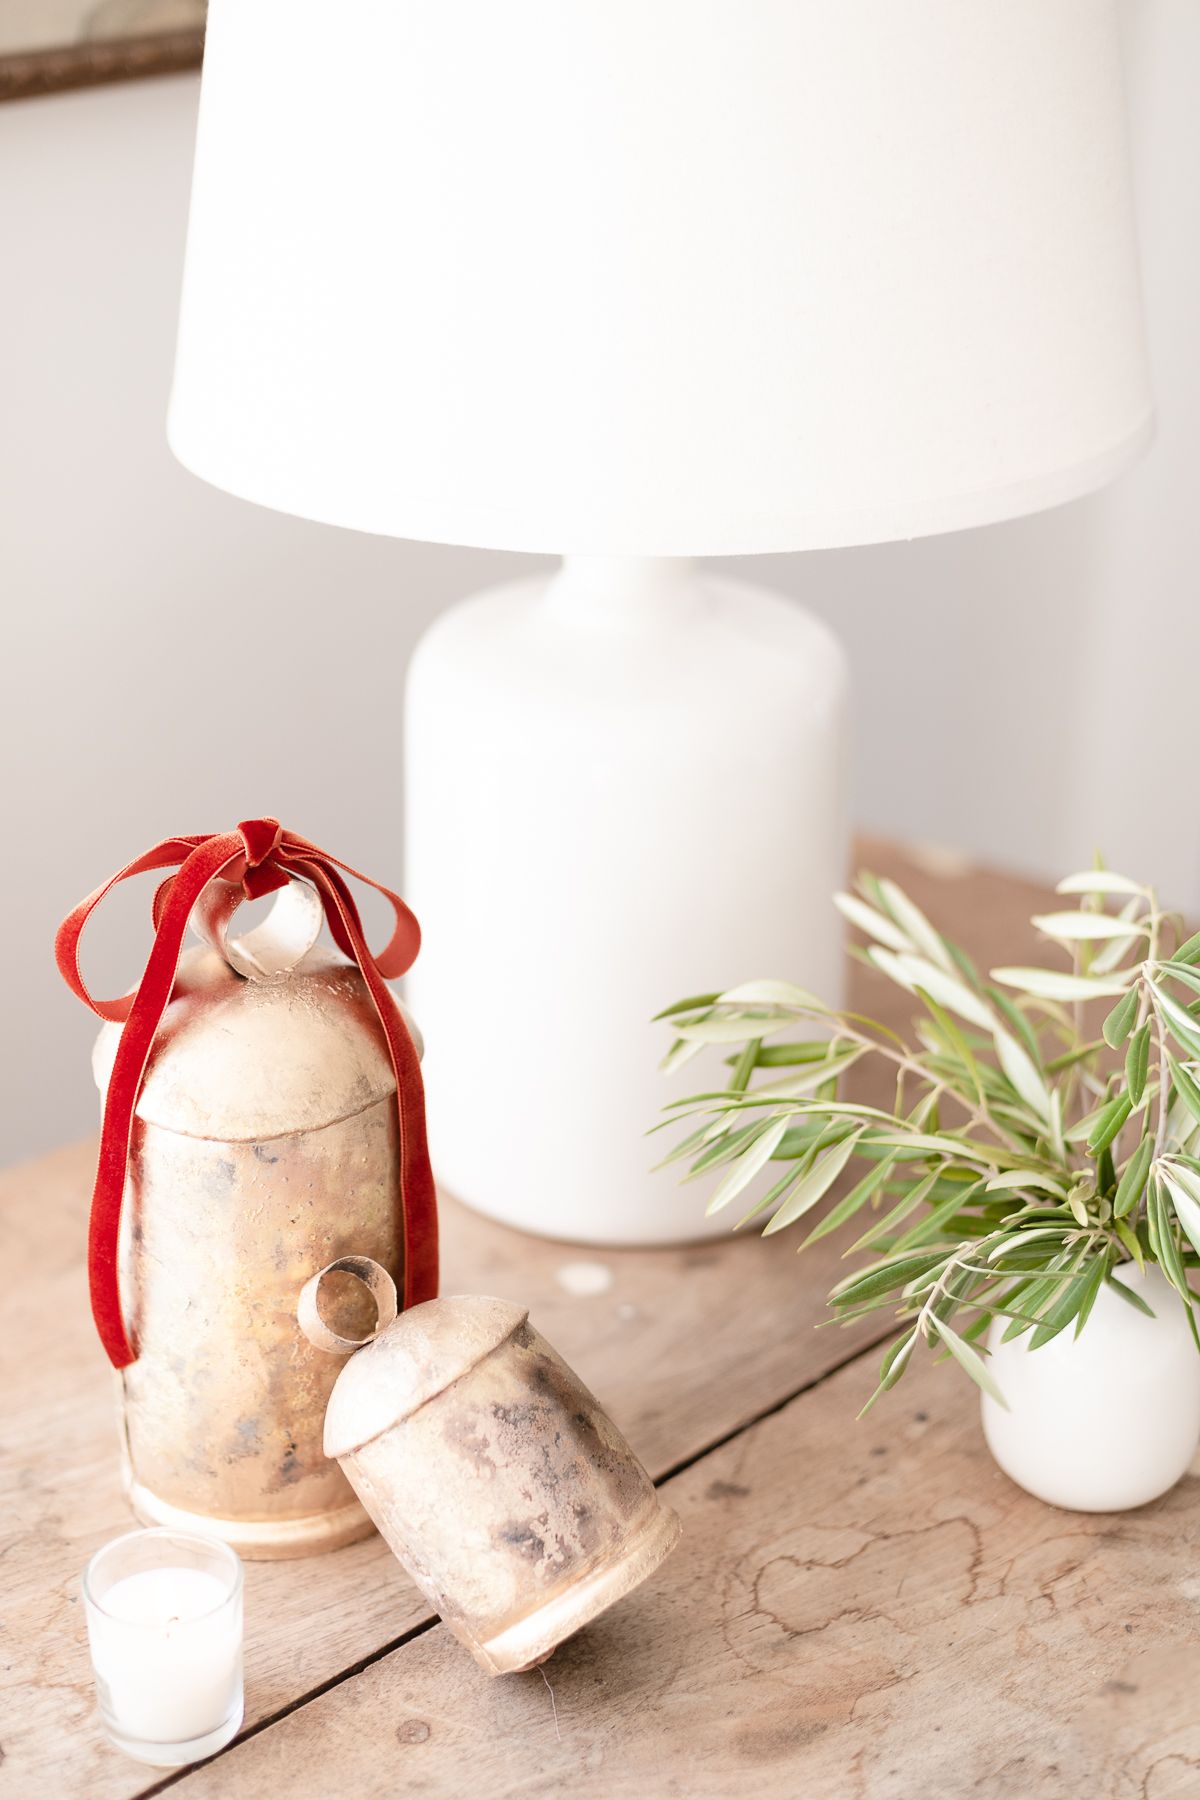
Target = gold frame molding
(27,74)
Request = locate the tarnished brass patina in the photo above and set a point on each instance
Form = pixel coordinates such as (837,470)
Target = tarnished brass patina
(495,1476)
(265,1145)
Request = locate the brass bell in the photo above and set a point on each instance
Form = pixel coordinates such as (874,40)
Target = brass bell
(498,1480)
(268,1098)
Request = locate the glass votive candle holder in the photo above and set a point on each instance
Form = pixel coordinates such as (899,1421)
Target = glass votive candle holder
(164,1618)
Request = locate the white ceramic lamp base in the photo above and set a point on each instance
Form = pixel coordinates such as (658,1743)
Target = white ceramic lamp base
(625,784)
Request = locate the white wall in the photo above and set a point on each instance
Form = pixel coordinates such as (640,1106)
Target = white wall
(175,660)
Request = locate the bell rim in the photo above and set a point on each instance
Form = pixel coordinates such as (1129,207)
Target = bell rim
(530,1640)
(260,1540)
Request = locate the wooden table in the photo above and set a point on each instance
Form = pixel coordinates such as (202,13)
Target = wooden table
(856,1610)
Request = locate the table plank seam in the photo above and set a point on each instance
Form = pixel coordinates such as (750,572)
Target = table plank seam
(777,1406)
(315,1693)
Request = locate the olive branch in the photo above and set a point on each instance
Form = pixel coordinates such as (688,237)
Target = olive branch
(1025,1158)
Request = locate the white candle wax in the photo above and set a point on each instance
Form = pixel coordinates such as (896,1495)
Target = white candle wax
(167,1653)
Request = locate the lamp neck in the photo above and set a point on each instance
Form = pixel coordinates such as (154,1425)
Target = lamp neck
(624,590)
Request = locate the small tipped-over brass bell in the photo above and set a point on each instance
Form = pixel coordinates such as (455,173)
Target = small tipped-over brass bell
(497,1479)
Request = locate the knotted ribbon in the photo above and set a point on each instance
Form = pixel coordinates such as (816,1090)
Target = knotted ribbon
(260,857)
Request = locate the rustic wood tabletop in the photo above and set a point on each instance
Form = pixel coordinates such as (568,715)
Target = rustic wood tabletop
(857,1611)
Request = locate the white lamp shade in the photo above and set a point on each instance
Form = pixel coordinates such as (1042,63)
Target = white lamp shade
(660,276)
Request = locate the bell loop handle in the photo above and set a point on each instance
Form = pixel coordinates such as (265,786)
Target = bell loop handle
(275,946)
(373,1276)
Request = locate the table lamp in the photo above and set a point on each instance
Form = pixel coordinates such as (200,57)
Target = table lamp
(642,281)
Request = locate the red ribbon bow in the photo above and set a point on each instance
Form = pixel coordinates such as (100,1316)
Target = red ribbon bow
(260,856)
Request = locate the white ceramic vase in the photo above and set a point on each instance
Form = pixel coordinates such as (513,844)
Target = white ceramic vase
(1106,1420)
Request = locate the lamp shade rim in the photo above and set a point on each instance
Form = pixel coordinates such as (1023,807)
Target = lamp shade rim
(444,520)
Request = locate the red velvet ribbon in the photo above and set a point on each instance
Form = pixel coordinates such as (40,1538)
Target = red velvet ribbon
(260,856)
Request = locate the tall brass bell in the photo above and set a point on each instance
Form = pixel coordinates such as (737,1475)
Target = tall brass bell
(265,1142)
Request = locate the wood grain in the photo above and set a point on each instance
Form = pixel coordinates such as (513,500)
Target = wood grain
(865,1612)
(686,1348)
